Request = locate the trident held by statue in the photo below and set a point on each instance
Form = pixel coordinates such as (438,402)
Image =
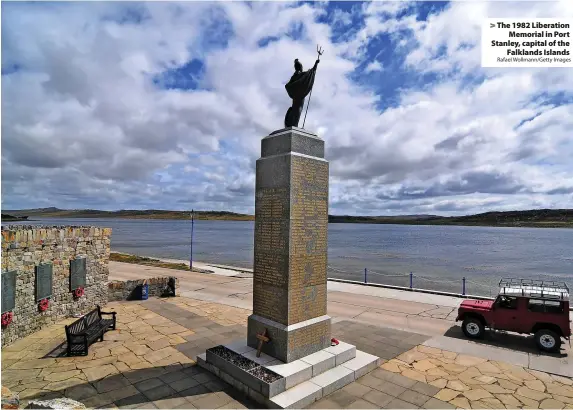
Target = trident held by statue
(320,51)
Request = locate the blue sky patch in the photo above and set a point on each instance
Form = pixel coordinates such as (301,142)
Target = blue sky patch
(423,9)
(10,68)
(556,98)
(265,41)
(218,32)
(129,13)
(185,77)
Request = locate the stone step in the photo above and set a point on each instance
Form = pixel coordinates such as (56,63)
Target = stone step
(304,381)
(306,393)
(363,363)
(303,369)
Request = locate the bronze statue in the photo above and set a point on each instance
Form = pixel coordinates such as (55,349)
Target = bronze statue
(298,87)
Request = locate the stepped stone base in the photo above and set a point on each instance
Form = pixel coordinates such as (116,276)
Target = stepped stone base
(296,384)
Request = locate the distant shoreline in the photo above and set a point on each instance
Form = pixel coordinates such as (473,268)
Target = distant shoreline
(11,218)
(543,218)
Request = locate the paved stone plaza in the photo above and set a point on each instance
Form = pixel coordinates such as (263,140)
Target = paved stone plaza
(480,383)
(149,363)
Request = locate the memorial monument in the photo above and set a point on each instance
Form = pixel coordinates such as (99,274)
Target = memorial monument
(288,359)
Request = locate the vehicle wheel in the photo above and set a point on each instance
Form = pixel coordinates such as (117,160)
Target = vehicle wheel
(548,340)
(473,328)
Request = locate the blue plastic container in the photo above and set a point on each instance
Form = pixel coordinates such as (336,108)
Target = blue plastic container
(144,291)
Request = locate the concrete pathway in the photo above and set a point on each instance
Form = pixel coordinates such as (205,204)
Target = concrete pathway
(420,313)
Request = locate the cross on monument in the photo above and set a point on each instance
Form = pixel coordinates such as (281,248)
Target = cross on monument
(262,339)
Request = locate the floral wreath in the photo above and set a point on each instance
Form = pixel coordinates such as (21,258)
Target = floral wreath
(7,318)
(78,292)
(43,305)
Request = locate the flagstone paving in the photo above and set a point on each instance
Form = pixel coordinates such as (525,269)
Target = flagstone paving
(472,382)
(139,365)
(148,363)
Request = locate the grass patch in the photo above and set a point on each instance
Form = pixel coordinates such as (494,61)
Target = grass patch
(142,260)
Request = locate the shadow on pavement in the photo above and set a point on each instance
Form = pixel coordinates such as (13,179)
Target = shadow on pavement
(514,341)
(189,386)
(172,386)
(58,351)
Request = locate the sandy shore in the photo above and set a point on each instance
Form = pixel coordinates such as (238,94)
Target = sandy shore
(215,269)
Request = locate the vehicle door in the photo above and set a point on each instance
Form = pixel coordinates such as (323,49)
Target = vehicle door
(508,312)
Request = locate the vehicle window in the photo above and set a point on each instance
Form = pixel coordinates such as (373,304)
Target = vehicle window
(545,306)
(507,302)
(535,305)
(553,306)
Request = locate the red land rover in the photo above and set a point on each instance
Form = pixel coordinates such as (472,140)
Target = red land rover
(523,306)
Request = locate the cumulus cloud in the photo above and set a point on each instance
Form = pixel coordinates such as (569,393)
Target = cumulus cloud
(163,105)
(373,66)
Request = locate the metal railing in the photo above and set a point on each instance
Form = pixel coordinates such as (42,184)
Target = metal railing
(411,281)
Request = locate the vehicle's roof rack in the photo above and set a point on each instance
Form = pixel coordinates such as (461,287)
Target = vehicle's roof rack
(539,289)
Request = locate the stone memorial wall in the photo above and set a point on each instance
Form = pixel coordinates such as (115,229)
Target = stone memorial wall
(67,266)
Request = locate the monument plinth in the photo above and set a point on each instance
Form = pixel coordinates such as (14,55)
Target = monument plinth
(290,253)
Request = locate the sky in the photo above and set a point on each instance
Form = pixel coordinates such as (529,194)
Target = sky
(162,105)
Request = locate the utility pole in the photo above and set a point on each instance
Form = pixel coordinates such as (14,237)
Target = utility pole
(191,250)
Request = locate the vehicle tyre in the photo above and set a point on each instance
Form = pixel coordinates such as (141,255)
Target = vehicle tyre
(548,340)
(473,328)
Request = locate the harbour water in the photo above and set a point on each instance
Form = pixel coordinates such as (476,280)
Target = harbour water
(438,256)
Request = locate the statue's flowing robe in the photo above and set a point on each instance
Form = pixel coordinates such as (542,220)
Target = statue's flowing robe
(300,84)
(298,87)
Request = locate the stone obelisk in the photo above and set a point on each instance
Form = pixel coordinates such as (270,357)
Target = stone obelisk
(290,255)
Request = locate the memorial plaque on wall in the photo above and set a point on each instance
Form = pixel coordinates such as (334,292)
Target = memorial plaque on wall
(77,273)
(8,290)
(43,281)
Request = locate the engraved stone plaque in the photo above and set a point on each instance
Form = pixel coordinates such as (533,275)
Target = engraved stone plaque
(8,291)
(77,273)
(43,281)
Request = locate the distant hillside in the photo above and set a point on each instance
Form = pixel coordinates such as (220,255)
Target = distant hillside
(131,214)
(540,217)
(545,218)
(381,219)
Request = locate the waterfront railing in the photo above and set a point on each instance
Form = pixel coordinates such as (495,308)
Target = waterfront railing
(415,281)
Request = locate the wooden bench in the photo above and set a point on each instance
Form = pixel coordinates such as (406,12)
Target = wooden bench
(88,329)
